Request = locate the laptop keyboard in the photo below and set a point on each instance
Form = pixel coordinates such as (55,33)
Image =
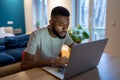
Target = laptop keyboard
(62,70)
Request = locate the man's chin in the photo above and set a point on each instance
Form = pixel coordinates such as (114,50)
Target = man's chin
(61,37)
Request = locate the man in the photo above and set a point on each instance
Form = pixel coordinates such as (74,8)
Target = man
(45,45)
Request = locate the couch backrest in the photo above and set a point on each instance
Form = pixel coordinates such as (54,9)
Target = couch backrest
(18,41)
(2,41)
(2,44)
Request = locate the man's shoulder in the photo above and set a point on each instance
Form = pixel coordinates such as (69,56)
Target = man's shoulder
(41,30)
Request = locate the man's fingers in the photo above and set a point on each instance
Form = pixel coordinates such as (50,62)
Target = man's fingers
(65,59)
(61,61)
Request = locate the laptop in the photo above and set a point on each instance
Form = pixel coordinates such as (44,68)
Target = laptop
(83,57)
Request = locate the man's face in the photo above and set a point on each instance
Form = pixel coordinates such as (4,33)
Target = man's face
(60,25)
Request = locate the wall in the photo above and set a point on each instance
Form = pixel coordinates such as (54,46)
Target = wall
(12,10)
(28,7)
(113,26)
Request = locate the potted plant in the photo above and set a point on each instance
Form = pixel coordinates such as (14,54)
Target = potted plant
(78,34)
(37,24)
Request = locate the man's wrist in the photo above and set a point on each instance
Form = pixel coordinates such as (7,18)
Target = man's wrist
(52,61)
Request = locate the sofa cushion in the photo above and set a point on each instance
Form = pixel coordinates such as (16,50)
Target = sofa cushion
(2,41)
(18,41)
(2,48)
(16,53)
(6,59)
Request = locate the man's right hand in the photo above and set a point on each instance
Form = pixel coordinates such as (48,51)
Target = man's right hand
(60,61)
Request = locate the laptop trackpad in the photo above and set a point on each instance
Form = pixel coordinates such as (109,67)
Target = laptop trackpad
(56,71)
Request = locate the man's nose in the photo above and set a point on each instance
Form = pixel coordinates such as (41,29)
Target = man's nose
(64,28)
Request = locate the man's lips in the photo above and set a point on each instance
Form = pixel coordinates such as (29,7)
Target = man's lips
(63,33)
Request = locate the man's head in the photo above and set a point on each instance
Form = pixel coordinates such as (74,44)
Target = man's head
(59,21)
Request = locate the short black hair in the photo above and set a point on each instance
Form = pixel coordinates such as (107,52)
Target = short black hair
(59,10)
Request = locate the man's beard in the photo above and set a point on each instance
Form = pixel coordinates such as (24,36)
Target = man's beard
(57,34)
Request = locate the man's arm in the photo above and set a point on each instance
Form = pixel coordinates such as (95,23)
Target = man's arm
(30,61)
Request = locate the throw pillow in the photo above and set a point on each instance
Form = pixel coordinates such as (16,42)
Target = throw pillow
(2,30)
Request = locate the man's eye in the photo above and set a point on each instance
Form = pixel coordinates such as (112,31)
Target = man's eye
(61,25)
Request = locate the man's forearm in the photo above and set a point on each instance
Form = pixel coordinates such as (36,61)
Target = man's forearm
(30,64)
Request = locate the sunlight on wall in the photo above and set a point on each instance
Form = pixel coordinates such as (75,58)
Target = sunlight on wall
(28,15)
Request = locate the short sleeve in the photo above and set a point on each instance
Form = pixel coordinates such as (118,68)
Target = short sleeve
(68,40)
(32,44)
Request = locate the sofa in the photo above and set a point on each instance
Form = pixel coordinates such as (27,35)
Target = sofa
(11,48)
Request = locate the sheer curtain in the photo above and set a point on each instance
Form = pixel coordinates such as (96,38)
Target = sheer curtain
(99,19)
(99,13)
(40,13)
(83,10)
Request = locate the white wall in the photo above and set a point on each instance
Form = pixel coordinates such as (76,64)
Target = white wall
(28,9)
(113,27)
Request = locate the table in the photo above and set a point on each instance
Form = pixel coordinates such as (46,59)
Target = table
(107,69)
(31,74)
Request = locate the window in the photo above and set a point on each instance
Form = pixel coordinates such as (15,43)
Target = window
(40,12)
(99,19)
(91,14)
(83,11)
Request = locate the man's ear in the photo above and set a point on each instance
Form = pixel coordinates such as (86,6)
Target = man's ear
(50,21)
(51,24)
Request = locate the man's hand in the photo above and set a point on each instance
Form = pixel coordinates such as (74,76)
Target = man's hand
(60,61)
